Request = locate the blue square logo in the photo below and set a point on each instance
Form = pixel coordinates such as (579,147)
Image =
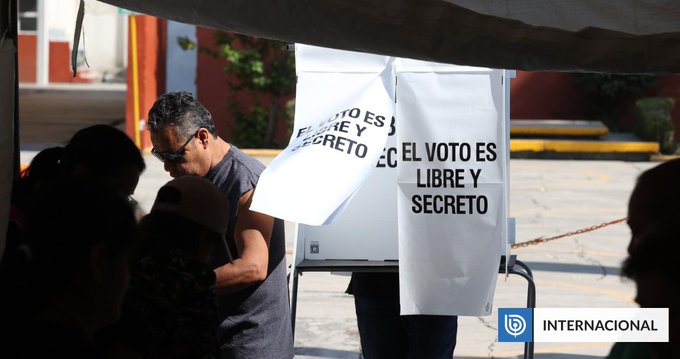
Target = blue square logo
(515,324)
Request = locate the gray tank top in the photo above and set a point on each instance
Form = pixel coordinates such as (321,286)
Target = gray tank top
(255,320)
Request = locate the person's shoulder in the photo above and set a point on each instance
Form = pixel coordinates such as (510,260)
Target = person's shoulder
(247,169)
(250,162)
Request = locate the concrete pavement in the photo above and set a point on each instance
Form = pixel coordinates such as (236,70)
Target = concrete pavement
(547,197)
(53,113)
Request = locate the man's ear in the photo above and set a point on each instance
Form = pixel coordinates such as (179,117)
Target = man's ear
(204,136)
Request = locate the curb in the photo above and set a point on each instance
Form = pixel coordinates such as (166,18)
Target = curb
(567,146)
(261,152)
(557,128)
(663,158)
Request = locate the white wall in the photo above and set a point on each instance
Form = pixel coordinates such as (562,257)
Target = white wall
(61,19)
(104,31)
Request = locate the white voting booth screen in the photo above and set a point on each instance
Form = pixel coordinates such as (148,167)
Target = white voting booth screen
(367,227)
(428,187)
(452,203)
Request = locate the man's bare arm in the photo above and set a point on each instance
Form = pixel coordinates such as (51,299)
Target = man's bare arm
(252,233)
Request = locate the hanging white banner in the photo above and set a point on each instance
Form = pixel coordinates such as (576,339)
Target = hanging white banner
(451,199)
(344,105)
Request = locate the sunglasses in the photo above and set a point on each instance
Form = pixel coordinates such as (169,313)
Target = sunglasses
(173,156)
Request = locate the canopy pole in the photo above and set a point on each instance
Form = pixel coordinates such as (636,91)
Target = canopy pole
(135,79)
(14,33)
(43,46)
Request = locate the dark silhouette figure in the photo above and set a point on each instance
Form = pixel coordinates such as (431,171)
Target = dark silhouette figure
(170,309)
(654,220)
(77,238)
(98,153)
(656,196)
(652,265)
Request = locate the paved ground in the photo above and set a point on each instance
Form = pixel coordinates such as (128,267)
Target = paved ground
(52,114)
(548,197)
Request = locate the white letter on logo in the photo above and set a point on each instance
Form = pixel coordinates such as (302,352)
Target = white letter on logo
(515,324)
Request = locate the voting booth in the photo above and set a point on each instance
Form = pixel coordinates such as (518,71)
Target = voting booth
(398,165)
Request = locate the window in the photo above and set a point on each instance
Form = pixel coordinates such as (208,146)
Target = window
(28,16)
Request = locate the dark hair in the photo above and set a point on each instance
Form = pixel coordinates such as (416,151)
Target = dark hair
(103,150)
(181,110)
(68,219)
(45,165)
(657,190)
(654,199)
(44,169)
(163,231)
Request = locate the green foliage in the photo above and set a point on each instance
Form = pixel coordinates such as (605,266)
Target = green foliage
(185,43)
(250,125)
(607,94)
(290,116)
(654,122)
(267,70)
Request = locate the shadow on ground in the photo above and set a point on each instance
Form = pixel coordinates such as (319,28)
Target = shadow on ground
(541,356)
(346,354)
(326,353)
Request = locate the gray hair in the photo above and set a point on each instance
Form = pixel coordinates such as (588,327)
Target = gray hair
(181,110)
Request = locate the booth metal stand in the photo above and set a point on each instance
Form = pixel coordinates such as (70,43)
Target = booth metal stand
(515,267)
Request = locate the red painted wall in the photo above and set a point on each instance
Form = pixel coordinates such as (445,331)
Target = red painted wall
(554,95)
(151,72)
(214,93)
(544,95)
(211,83)
(59,62)
(27,48)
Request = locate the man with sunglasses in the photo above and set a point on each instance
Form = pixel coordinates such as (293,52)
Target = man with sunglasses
(251,287)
